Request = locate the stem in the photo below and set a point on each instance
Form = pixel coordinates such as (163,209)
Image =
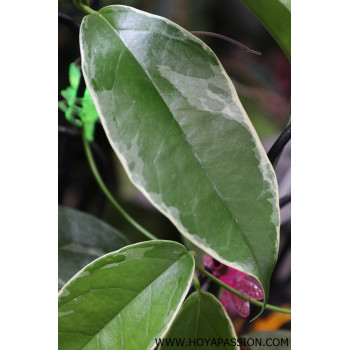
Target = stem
(285,200)
(279,144)
(197,285)
(108,194)
(88,10)
(232,41)
(240,295)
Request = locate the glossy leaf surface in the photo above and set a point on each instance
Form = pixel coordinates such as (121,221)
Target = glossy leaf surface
(173,117)
(81,239)
(275,16)
(125,299)
(202,318)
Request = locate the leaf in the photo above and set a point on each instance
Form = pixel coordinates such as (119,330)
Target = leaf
(81,239)
(275,16)
(173,117)
(202,322)
(272,340)
(125,299)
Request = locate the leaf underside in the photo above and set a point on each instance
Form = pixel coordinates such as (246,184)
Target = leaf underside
(173,117)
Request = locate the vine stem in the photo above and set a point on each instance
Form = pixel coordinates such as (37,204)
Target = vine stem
(107,193)
(242,296)
(150,236)
(232,41)
(85,8)
(196,284)
(277,148)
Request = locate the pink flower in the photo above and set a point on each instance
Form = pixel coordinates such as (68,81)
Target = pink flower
(237,280)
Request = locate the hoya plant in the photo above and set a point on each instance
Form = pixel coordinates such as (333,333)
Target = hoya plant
(173,118)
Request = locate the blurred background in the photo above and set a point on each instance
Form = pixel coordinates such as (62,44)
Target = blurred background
(263,86)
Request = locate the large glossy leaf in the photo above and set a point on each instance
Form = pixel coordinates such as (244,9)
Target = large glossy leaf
(173,117)
(275,16)
(81,239)
(201,322)
(125,299)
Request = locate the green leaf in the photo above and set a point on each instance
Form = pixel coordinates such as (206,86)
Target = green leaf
(271,340)
(202,322)
(81,239)
(275,16)
(125,299)
(173,117)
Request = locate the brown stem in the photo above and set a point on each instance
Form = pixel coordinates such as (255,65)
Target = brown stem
(232,41)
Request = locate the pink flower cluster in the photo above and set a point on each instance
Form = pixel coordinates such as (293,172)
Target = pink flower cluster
(237,280)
